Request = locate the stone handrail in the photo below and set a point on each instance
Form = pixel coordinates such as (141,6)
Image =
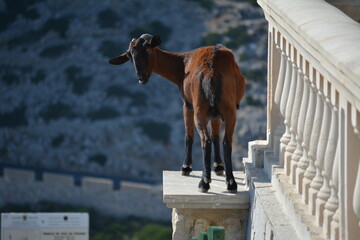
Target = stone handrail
(314,108)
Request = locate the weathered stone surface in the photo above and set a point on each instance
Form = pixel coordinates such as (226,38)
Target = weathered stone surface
(268,219)
(193,211)
(189,222)
(182,192)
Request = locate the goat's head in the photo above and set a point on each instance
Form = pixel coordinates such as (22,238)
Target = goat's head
(140,52)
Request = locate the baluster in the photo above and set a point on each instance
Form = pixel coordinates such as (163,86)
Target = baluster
(281,77)
(290,147)
(318,180)
(286,86)
(332,204)
(310,171)
(278,92)
(355,120)
(335,226)
(285,139)
(335,221)
(307,113)
(328,157)
(295,140)
(356,200)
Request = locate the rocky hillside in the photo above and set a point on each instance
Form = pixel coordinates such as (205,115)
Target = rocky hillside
(62,106)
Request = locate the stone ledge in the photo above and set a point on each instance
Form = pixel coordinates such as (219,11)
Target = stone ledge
(97,183)
(58,179)
(182,192)
(18,174)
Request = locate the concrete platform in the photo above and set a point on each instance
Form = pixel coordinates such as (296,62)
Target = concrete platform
(182,192)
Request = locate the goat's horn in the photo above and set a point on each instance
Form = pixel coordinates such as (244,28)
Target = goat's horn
(146,37)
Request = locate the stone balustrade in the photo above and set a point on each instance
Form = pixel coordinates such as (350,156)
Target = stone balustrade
(314,111)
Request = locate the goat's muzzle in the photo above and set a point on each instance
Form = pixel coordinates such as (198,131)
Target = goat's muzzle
(143,79)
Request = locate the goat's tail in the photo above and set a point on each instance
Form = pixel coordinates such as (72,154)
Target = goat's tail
(211,88)
(211,82)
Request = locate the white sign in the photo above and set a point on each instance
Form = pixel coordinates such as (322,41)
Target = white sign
(44,226)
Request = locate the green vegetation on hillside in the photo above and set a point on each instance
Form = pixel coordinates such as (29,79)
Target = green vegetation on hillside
(237,36)
(103,227)
(158,131)
(80,84)
(118,91)
(253,102)
(55,51)
(57,141)
(256,75)
(110,49)
(56,111)
(207,4)
(212,39)
(15,8)
(155,27)
(98,158)
(108,18)
(15,118)
(10,78)
(59,25)
(39,76)
(252,2)
(138,98)
(232,38)
(103,113)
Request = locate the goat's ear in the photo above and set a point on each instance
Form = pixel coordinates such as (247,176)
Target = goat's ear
(123,58)
(155,41)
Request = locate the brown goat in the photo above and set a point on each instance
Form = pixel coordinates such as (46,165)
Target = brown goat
(211,86)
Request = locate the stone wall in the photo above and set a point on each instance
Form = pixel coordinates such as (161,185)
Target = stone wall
(137,199)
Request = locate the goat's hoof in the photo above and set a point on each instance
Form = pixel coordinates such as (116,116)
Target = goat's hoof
(231,186)
(219,170)
(204,187)
(185,171)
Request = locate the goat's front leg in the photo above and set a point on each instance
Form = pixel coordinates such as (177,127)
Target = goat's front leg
(189,138)
(201,125)
(215,132)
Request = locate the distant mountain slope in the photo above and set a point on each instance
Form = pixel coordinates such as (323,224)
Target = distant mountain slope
(62,106)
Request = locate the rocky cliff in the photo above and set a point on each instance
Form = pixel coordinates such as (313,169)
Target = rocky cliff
(62,106)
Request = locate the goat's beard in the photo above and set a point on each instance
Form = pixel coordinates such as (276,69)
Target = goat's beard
(144,79)
(142,82)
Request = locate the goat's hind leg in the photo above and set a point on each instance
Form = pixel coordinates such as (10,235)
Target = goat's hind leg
(186,168)
(215,132)
(227,144)
(201,125)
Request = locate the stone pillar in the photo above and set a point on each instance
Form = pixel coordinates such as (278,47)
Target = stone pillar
(194,212)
